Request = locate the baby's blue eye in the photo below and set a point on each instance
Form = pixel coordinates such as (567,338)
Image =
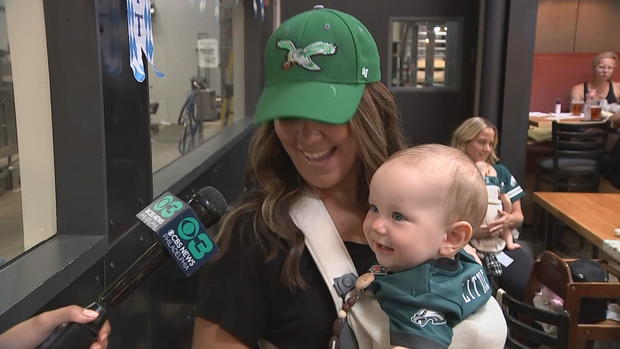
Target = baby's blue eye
(397,216)
(373,208)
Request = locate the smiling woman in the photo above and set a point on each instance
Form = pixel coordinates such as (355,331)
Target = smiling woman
(325,127)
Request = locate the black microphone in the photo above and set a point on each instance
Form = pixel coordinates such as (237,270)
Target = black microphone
(178,226)
(180,229)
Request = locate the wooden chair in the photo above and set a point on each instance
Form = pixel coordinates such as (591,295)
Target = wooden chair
(577,149)
(522,333)
(554,272)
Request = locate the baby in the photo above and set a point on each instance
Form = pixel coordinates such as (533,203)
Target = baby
(424,202)
(497,202)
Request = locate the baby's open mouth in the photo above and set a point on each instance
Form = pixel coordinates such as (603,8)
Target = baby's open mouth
(384,247)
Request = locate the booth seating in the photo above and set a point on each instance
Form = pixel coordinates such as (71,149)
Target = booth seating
(553,76)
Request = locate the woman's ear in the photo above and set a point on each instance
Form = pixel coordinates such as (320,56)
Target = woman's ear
(457,237)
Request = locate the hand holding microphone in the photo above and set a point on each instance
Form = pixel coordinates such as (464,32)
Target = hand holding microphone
(32,332)
(181,228)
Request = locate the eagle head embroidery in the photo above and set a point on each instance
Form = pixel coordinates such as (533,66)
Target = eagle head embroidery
(423,316)
(302,56)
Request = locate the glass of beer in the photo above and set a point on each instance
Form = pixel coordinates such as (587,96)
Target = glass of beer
(595,112)
(576,107)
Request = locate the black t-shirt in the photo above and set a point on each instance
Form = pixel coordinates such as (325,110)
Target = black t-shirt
(243,294)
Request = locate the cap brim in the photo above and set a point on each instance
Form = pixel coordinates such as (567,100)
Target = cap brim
(319,101)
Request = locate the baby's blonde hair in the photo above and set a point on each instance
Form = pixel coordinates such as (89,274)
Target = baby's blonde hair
(466,198)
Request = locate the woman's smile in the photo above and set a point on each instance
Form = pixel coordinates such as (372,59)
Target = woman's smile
(319,158)
(325,155)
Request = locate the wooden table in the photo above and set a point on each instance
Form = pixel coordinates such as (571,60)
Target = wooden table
(545,121)
(592,215)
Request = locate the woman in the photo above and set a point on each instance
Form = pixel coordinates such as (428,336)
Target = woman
(601,86)
(477,137)
(327,123)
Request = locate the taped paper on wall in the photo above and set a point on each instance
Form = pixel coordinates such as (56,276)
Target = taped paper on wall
(208,56)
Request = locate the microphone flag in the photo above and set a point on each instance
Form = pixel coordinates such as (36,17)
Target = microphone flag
(180,231)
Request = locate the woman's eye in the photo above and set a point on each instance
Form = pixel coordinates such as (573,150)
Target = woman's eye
(397,216)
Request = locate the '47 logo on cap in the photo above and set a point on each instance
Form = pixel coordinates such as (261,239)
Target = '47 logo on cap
(301,56)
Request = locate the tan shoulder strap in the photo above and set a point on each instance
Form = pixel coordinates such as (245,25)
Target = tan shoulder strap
(366,318)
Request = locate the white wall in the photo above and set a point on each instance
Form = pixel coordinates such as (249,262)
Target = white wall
(176,25)
(26,29)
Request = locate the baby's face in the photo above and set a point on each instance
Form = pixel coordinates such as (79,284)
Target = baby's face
(406,224)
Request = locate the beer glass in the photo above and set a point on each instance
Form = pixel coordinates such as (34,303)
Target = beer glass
(595,112)
(576,107)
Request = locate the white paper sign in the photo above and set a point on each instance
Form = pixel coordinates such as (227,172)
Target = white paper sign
(208,55)
(140,37)
(504,259)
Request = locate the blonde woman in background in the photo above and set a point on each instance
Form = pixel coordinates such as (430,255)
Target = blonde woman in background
(478,138)
(601,85)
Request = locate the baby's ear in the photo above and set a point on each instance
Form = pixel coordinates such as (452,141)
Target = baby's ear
(457,237)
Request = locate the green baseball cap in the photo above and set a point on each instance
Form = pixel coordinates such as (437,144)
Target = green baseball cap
(317,64)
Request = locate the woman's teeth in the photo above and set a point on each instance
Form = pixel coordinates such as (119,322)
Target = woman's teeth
(318,155)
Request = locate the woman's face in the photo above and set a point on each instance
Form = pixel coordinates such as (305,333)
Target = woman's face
(480,148)
(605,68)
(325,155)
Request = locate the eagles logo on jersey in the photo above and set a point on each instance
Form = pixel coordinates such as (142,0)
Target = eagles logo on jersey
(423,316)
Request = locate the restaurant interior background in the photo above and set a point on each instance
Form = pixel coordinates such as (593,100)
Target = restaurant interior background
(564,29)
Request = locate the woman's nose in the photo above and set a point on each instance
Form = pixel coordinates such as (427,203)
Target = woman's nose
(307,129)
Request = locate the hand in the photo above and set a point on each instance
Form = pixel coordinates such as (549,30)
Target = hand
(591,95)
(32,332)
(500,224)
(486,231)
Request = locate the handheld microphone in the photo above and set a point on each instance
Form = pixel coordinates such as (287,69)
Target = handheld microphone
(182,230)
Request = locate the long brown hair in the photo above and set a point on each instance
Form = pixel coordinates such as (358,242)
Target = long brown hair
(278,185)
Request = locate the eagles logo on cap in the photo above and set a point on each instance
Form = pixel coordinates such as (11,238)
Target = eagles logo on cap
(301,56)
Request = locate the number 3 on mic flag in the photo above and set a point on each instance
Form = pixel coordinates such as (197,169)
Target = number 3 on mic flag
(140,37)
(180,231)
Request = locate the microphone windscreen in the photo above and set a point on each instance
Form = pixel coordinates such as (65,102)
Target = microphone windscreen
(211,200)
